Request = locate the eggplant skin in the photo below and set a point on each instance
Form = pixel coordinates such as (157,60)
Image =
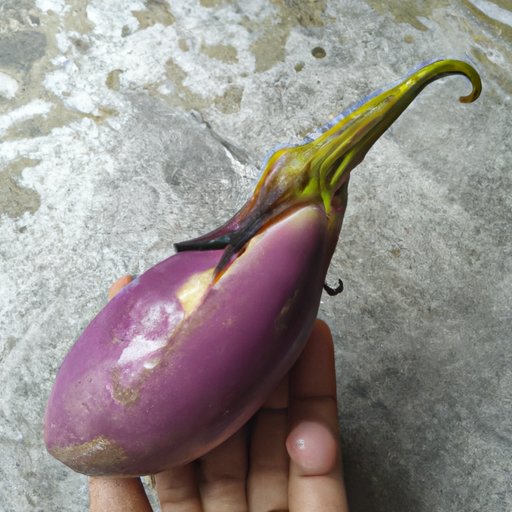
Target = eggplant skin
(177,362)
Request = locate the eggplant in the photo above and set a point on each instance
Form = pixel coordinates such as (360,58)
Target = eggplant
(185,354)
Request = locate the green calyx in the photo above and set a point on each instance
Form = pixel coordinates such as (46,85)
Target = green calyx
(320,167)
(316,170)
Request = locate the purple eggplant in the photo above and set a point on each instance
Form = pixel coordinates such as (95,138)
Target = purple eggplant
(185,354)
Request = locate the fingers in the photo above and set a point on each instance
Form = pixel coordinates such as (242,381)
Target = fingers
(267,485)
(222,476)
(316,482)
(213,483)
(177,490)
(117,495)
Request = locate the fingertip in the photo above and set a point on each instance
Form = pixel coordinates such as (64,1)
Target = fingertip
(322,328)
(118,285)
(117,495)
(322,335)
(316,478)
(312,448)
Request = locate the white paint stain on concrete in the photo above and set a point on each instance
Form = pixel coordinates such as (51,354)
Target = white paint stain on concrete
(8,86)
(83,102)
(494,11)
(27,111)
(56,6)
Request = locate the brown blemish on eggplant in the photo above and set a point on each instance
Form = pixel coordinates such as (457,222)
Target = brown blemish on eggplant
(281,322)
(100,452)
(116,340)
(124,395)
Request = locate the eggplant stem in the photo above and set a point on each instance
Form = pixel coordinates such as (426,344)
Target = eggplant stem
(314,172)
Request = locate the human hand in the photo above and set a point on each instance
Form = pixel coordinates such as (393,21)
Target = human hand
(287,458)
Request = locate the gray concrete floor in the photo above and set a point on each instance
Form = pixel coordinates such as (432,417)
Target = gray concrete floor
(125,127)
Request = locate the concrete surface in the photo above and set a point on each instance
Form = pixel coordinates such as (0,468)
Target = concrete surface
(126,126)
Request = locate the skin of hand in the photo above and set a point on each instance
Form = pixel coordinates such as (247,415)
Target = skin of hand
(288,458)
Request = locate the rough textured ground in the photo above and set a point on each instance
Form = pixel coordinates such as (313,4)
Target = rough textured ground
(125,126)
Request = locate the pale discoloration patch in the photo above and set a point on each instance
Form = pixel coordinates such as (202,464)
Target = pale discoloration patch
(153,330)
(144,343)
(193,291)
(89,457)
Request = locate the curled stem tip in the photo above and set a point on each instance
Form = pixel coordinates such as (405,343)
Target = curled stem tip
(440,68)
